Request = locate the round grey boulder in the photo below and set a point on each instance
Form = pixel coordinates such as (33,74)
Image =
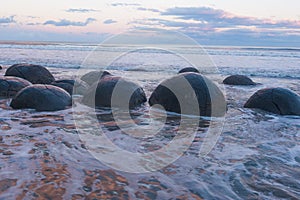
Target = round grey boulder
(72,86)
(35,74)
(9,85)
(190,93)
(238,80)
(125,94)
(69,81)
(94,76)
(42,98)
(188,69)
(276,100)
(66,86)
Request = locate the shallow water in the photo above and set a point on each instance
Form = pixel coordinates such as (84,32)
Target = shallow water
(257,155)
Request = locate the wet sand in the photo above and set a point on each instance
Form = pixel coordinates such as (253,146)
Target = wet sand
(257,156)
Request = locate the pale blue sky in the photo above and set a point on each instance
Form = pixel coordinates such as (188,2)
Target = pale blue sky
(215,22)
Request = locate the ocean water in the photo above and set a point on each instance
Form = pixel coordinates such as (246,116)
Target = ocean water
(252,61)
(257,156)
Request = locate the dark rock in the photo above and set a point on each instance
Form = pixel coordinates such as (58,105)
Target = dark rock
(9,85)
(42,98)
(80,87)
(276,100)
(126,93)
(72,86)
(1,67)
(194,91)
(66,86)
(69,81)
(238,80)
(94,76)
(188,69)
(35,74)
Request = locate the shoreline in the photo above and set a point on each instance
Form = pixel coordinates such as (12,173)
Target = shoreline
(43,155)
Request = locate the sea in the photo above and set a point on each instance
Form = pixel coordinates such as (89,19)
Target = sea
(256,154)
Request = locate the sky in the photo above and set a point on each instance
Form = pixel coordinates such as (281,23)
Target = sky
(210,22)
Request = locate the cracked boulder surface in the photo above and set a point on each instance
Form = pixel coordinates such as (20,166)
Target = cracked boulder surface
(238,80)
(276,100)
(35,74)
(10,86)
(42,98)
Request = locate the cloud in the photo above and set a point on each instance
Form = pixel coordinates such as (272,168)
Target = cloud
(148,9)
(125,4)
(210,20)
(33,24)
(65,22)
(7,20)
(167,23)
(218,27)
(220,18)
(33,17)
(81,10)
(110,21)
(183,26)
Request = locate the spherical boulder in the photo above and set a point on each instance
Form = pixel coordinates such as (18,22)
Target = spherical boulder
(190,93)
(66,86)
(276,100)
(68,81)
(113,91)
(9,85)
(35,74)
(188,69)
(238,80)
(94,76)
(72,86)
(42,98)
(1,67)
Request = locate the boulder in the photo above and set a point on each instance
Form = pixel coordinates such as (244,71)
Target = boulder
(276,100)
(94,76)
(238,80)
(68,81)
(42,98)
(72,86)
(126,93)
(190,93)
(65,86)
(35,74)
(188,69)
(9,85)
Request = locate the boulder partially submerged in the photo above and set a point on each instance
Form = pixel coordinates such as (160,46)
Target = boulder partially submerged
(190,93)
(42,98)
(72,86)
(238,80)
(113,91)
(276,100)
(94,76)
(10,86)
(35,74)
(188,69)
